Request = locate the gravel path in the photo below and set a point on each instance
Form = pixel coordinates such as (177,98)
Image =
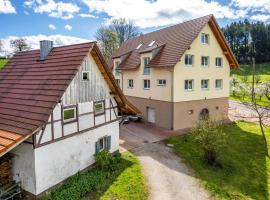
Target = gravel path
(167,176)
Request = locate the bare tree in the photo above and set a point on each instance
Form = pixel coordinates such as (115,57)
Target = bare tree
(107,41)
(124,28)
(19,44)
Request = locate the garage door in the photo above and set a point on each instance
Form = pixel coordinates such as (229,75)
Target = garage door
(151,113)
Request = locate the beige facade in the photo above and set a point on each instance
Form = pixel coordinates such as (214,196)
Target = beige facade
(175,107)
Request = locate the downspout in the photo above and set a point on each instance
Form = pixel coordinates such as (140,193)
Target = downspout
(172,98)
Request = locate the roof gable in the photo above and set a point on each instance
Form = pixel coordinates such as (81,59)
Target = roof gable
(175,40)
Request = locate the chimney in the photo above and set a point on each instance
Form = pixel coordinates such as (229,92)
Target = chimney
(45,48)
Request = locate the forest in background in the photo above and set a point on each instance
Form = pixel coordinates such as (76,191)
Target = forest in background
(244,36)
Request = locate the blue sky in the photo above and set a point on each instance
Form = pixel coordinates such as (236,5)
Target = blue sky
(79,19)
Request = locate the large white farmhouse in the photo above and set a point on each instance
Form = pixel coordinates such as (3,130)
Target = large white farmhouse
(58,107)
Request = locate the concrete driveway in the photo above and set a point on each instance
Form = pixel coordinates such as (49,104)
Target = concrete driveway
(167,176)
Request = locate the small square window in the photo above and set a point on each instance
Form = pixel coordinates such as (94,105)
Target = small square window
(130,83)
(99,108)
(146,84)
(205,61)
(205,38)
(85,76)
(69,114)
(189,85)
(205,84)
(218,62)
(189,60)
(103,143)
(161,82)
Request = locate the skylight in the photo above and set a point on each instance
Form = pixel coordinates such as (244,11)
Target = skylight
(151,44)
(139,46)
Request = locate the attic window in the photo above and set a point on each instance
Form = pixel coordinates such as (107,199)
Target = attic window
(69,114)
(139,46)
(151,44)
(85,76)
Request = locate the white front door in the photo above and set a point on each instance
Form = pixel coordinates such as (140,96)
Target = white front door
(151,113)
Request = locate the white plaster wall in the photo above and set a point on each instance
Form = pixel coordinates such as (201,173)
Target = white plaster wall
(59,160)
(23,166)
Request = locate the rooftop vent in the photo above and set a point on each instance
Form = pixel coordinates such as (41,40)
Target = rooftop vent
(45,48)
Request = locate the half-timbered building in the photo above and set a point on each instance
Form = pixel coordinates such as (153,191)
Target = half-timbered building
(58,107)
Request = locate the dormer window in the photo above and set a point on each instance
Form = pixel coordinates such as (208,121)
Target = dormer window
(146,69)
(117,71)
(151,44)
(139,46)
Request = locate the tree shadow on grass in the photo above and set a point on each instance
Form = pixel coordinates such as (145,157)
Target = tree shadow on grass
(244,170)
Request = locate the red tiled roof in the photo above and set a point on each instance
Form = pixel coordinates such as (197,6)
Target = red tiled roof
(30,89)
(176,39)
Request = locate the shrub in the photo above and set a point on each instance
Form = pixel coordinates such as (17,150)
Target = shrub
(106,161)
(209,133)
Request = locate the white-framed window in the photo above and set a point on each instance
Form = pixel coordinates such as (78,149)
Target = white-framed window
(219,62)
(189,85)
(69,114)
(146,68)
(205,38)
(130,83)
(205,84)
(161,82)
(189,60)
(117,72)
(85,75)
(146,84)
(99,107)
(205,61)
(118,81)
(103,143)
(219,84)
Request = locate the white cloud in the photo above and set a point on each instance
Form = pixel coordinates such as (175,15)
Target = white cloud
(161,12)
(68,27)
(260,17)
(87,15)
(33,41)
(253,5)
(6,7)
(53,9)
(51,26)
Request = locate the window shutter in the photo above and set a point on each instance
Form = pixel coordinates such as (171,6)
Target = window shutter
(97,147)
(108,142)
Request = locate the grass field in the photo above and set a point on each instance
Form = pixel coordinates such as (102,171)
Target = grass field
(246,70)
(245,171)
(126,183)
(2,63)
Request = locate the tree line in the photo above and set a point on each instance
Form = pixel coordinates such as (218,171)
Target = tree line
(248,39)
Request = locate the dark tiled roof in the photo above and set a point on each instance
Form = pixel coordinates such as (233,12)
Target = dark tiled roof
(176,40)
(30,89)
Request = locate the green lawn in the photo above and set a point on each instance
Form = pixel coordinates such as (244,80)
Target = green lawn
(245,170)
(246,70)
(126,183)
(2,63)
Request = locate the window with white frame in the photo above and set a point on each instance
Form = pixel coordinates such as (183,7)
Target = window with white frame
(205,61)
(205,38)
(205,84)
(146,68)
(146,84)
(218,62)
(117,72)
(69,114)
(103,143)
(118,81)
(85,75)
(130,83)
(99,108)
(161,82)
(219,83)
(189,60)
(189,85)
